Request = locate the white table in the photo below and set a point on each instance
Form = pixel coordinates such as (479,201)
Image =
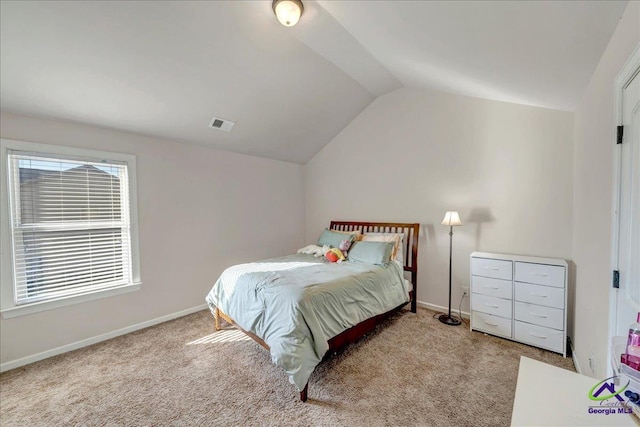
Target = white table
(550,396)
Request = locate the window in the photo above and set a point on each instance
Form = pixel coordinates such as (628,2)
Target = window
(71,224)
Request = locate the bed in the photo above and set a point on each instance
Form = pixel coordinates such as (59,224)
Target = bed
(302,308)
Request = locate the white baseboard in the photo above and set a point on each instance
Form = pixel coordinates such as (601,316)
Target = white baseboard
(575,358)
(93,340)
(434,307)
(12,364)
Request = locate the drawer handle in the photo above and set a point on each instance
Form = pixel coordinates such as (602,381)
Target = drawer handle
(539,274)
(542,316)
(538,336)
(492,268)
(490,324)
(538,295)
(491,305)
(491,287)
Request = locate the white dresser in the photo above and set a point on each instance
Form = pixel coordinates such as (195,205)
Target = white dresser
(521,298)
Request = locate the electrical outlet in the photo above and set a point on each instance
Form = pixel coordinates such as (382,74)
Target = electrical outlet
(465,290)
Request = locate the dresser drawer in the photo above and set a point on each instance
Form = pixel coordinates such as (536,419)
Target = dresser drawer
(539,336)
(491,305)
(538,294)
(540,274)
(539,315)
(495,268)
(492,287)
(491,324)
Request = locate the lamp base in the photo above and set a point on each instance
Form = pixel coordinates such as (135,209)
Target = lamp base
(449,320)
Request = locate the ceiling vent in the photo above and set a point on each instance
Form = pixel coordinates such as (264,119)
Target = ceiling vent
(222,124)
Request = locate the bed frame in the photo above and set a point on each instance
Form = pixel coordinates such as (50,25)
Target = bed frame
(353,334)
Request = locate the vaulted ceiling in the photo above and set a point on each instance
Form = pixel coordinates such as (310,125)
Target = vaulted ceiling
(166,68)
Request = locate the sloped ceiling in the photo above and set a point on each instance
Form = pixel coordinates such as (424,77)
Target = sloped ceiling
(166,68)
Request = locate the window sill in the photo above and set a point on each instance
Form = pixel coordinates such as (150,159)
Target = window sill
(22,310)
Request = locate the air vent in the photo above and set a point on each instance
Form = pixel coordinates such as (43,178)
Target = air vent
(222,124)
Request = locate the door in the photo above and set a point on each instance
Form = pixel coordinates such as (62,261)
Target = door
(627,299)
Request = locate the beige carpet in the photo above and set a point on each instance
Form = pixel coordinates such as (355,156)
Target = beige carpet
(412,371)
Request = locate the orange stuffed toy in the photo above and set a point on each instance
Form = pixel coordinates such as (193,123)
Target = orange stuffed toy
(338,254)
(334,255)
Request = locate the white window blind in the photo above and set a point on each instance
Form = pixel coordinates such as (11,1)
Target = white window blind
(70,226)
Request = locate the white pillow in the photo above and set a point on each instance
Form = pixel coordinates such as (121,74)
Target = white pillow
(388,237)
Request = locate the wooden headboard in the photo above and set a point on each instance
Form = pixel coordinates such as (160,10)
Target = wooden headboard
(409,243)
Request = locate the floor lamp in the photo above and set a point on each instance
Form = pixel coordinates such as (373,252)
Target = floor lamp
(451,219)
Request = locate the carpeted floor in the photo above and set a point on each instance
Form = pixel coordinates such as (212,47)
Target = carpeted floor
(411,371)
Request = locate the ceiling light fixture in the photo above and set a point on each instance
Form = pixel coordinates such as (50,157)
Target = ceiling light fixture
(288,12)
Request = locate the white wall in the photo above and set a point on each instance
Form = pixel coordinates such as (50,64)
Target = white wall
(413,154)
(593,162)
(200,210)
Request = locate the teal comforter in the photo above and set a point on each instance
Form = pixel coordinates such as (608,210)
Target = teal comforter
(298,302)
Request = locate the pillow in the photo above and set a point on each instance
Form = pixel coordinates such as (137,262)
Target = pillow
(396,238)
(358,233)
(371,252)
(333,238)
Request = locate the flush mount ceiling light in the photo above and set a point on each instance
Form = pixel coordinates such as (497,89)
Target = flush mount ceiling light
(288,12)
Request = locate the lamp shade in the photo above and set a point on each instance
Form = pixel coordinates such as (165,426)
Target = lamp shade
(451,218)
(288,12)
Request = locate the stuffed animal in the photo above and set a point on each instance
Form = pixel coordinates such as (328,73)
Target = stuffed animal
(334,255)
(344,247)
(315,250)
(338,254)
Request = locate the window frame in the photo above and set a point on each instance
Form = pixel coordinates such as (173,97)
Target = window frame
(8,307)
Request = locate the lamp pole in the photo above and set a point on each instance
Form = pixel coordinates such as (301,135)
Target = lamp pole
(450,264)
(447,319)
